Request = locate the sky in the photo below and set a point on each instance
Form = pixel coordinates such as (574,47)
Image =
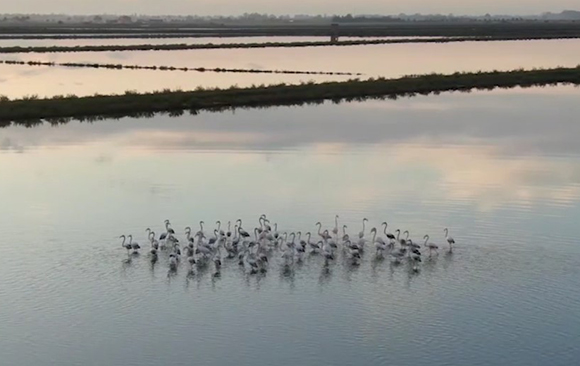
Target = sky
(233,7)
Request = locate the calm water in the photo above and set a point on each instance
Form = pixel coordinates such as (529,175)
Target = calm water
(372,61)
(500,169)
(189,40)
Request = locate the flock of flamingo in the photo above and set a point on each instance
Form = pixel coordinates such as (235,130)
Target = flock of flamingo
(254,251)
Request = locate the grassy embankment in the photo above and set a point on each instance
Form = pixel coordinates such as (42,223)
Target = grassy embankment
(134,104)
(201,46)
(172,68)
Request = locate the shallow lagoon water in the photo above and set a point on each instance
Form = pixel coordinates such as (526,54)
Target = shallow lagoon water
(188,40)
(498,168)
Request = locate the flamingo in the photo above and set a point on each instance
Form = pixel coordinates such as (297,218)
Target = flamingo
(379,242)
(267,226)
(449,239)
(362,233)
(135,246)
(236,239)
(432,247)
(287,256)
(153,241)
(414,248)
(329,239)
(217,261)
(191,257)
(352,252)
(314,247)
(243,233)
(200,232)
(398,255)
(335,230)
(219,230)
(345,236)
(303,243)
(402,242)
(168,231)
(324,235)
(390,236)
(126,246)
(414,259)
(326,252)
(229,232)
(172,262)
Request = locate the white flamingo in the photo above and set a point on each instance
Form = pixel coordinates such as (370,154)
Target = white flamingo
(335,230)
(402,242)
(326,252)
(449,239)
(380,244)
(361,234)
(432,247)
(126,246)
(135,246)
(345,236)
(324,235)
(390,236)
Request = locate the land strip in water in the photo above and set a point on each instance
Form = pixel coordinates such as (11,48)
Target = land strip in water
(202,46)
(172,68)
(135,104)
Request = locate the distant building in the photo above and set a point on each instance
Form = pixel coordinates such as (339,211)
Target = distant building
(124,19)
(334,32)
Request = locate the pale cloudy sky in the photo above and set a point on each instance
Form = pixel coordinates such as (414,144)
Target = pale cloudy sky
(227,7)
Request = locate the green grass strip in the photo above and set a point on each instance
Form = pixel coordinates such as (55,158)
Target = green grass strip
(134,104)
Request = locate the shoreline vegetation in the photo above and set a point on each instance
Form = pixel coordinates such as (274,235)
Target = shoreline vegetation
(172,68)
(31,110)
(199,46)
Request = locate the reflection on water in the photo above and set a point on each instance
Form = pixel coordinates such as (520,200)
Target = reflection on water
(17,81)
(499,168)
(188,40)
(377,60)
